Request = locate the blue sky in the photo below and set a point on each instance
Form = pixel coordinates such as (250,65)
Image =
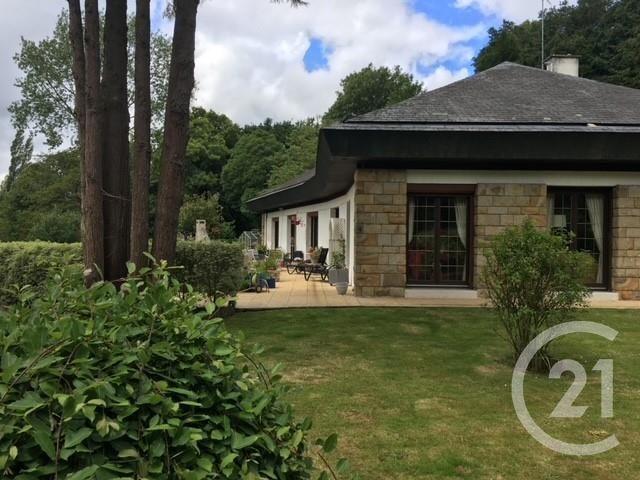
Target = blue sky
(443,11)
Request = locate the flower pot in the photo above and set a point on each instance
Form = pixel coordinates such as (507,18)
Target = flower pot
(271,282)
(342,287)
(338,275)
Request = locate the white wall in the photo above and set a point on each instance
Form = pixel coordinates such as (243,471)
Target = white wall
(324,216)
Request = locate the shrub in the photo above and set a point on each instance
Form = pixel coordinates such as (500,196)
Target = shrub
(214,267)
(534,281)
(204,207)
(103,384)
(29,263)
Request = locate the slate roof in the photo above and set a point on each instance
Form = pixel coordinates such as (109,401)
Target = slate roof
(512,94)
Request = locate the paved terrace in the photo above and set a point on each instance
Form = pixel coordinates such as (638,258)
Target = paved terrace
(293,291)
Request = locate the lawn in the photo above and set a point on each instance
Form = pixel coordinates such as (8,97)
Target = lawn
(425,393)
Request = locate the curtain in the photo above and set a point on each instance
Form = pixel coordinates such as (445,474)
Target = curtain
(461,226)
(412,217)
(595,206)
(551,207)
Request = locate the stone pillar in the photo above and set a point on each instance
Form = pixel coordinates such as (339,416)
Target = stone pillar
(626,242)
(499,206)
(380,232)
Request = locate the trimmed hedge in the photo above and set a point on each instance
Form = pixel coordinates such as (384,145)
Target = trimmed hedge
(29,263)
(214,267)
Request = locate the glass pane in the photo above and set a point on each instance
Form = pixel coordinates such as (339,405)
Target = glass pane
(420,250)
(453,233)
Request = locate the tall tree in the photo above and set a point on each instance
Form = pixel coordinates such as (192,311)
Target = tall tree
(142,135)
(115,181)
(21,152)
(91,170)
(176,128)
(370,89)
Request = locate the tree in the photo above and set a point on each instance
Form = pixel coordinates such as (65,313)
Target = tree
(44,201)
(48,85)
(203,207)
(370,89)
(212,136)
(91,156)
(141,177)
(115,142)
(176,128)
(604,33)
(21,152)
(534,281)
(299,155)
(246,174)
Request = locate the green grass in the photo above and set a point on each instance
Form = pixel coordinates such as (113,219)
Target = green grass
(425,393)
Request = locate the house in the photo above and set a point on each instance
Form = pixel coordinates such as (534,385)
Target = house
(424,184)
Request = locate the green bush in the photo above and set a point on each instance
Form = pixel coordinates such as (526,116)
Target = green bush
(104,384)
(29,263)
(213,267)
(534,281)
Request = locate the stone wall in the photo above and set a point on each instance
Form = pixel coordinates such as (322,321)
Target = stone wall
(499,206)
(626,242)
(380,232)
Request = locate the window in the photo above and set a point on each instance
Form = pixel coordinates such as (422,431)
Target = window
(584,213)
(335,212)
(438,239)
(312,229)
(276,233)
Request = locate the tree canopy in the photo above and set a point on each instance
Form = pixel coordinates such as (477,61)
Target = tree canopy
(370,89)
(604,33)
(46,104)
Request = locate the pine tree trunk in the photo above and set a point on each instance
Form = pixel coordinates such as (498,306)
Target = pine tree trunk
(176,129)
(115,142)
(142,135)
(78,69)
(92,213)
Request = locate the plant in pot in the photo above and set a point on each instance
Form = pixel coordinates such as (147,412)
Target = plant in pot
(262,274)
(339,274)
(272,265)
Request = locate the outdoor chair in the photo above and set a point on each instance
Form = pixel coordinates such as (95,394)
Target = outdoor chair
(319,268)
(294,262)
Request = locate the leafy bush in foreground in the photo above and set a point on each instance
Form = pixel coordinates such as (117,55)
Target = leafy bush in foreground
(29,263)
(534,281)
(137,384)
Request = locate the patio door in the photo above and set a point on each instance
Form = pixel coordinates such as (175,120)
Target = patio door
(438,240)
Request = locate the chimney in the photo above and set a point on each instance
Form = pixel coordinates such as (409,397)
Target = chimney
(565,64)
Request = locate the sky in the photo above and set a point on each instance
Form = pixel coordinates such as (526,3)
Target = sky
(256,59)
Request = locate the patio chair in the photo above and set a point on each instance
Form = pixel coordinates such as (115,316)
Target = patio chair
(293,262)
(319,268)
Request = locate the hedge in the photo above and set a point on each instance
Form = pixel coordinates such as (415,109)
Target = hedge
(214,268)
(29,263)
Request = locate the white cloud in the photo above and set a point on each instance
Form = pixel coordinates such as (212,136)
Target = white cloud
(31,19)
(250,66)
(514,10)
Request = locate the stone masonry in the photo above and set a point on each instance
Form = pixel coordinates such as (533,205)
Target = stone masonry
(626,242)
(380,232)
(499,206)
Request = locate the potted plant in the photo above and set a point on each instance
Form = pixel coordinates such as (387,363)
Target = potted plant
(272,264)
(339,274)
(262,274)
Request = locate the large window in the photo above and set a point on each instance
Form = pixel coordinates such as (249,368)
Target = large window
(312,229)
(585,214)
(438,240)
